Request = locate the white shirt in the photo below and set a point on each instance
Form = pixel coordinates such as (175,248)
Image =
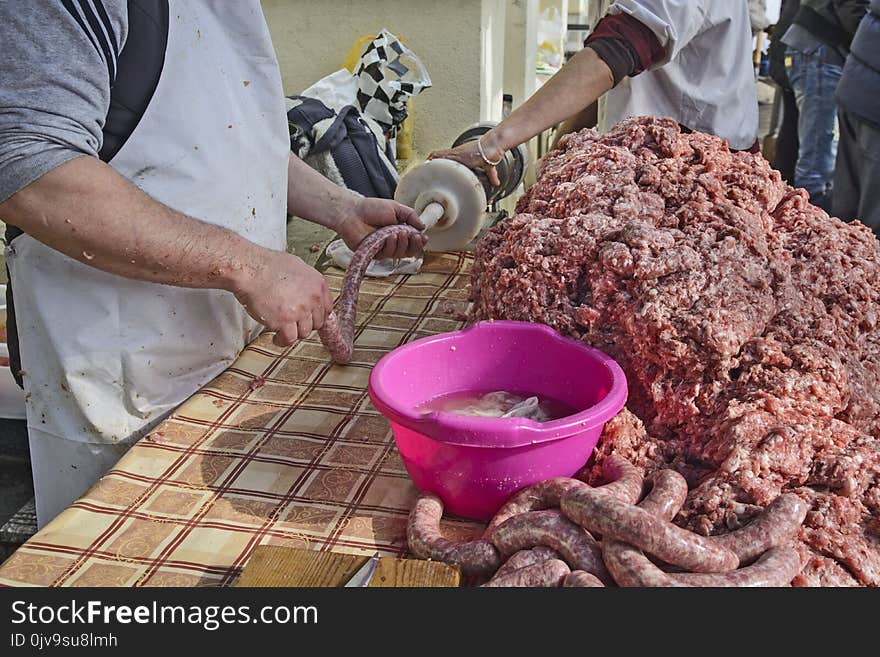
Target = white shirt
(706,82)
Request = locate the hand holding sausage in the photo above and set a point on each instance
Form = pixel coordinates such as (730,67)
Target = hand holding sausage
(283,294)
(338,332)
(370,214)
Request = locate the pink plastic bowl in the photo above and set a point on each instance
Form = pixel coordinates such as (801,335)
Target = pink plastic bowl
(475,463)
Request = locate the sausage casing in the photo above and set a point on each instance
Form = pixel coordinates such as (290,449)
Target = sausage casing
(425,540)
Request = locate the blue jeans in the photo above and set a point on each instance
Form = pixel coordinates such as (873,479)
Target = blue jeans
(814,81)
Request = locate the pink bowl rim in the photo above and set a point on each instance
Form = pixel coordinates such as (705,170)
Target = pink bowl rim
(470,431)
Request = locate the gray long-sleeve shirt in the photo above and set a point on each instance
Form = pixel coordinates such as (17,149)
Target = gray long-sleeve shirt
(55,79)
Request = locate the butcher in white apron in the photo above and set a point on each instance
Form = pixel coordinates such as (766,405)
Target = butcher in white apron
(685,59)
(105,357)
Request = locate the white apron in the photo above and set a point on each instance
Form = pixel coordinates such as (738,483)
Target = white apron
(708,84)
(106,357)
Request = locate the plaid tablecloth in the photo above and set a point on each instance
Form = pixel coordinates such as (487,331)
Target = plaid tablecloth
(282,448)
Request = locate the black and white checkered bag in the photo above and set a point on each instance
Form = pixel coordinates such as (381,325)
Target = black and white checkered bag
(388,74)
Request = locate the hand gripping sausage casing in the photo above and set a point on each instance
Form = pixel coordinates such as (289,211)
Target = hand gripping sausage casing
(337,333)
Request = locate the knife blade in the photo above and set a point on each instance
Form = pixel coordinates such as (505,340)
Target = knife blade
(364,575)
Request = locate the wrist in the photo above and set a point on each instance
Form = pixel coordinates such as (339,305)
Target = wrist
(494,142)
(348,213)
(244,262)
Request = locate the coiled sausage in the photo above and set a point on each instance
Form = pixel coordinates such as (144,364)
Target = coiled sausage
(337,332)
(545,573)
(581,579)
(776,525)
(425,540)
(525,558)
(624,480)
(599,512)
(626,563)
(776,567)
(576,546)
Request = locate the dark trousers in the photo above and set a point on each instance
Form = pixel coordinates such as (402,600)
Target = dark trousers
(786,154)
(857,171)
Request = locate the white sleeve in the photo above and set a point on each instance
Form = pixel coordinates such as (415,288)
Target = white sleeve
(674,22)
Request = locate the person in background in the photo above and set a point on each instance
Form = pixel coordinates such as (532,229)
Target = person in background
(786,150)
(857,171)
(817,43)
(145,176)
(685,59)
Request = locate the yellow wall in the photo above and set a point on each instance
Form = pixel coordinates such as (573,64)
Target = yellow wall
(460,42)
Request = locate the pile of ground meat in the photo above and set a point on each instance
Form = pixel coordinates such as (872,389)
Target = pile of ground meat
(745,318)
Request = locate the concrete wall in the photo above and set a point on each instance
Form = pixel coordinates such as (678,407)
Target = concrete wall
(460,43)
(520,44)
(492,56)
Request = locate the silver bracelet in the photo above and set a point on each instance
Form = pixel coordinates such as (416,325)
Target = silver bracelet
(486,159)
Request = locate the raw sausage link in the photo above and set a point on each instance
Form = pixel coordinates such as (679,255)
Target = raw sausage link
(425,540)
(625,479)
(525,558)
(551,528)
(337,332)
(630,567)
(777,525)
(582,579)
(626,563)
(543,495)
(546,573)
(667,495)
(599,512)
(776,567)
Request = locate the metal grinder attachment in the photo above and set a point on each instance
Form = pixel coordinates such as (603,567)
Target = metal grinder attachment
(452,199)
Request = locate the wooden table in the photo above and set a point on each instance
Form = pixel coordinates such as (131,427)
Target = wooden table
(281,449)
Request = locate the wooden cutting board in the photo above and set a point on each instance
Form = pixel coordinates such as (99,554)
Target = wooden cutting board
(274,566)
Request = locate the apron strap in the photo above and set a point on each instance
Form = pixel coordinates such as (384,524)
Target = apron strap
(11,327)
(138,70)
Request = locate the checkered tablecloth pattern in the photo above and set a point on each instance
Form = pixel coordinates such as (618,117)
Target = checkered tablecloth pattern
(282,448)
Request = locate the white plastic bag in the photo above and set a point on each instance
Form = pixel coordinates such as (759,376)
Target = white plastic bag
(551,37)
(336,90)
(342,255)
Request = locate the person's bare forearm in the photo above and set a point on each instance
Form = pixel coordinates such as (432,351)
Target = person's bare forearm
(87,211)
(586,118)
(313,197)
(577,85)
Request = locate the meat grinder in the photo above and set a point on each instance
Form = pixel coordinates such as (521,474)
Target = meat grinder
(452,200)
